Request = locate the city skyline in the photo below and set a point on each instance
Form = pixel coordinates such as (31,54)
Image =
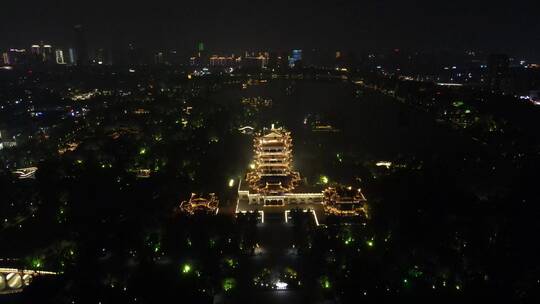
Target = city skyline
(367,26)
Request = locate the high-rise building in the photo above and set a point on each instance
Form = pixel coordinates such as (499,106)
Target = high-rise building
(35,49)
(72,60)
(498,69)
(201,58)
(42,53)
(102,56)
(295,58)
(60,57)
(5,58)
(47,53)
(159,58)
(81,47)
(14,56)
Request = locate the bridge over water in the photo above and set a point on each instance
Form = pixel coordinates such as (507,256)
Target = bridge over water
(13,280)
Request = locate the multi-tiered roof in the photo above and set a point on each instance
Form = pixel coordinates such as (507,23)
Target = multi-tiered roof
(273,163)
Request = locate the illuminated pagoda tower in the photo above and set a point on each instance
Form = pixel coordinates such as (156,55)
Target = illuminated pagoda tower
(273,174)
(200,205)
(345,201)
(272,183)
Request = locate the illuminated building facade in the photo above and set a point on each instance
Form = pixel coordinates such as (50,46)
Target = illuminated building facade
(255,60)
(223,61)
(200,205)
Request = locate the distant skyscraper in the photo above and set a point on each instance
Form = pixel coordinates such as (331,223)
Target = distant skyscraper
(47,53)
(60,57)
(159,58)
(102,56)
(36,49)
(71,57)
(81,46)
(42,53)
(498,68)
(201,58)
(296,56)
(5,58)
(14,56)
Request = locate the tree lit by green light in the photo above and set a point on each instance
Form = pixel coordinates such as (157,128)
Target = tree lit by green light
(231,263)
(142,151)
(186,268)
(229,284)
(325,282)
(37,263)
(415,272)
(324,179)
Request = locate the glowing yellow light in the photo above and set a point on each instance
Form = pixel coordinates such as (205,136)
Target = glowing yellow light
(231,183)
(252,166)
(324,179)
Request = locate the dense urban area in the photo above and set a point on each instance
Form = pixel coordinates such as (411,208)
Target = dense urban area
(98,150)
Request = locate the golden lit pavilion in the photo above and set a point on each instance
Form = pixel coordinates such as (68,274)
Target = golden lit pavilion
(200,205)
(344,201)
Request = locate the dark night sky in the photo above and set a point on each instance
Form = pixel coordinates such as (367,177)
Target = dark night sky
(509,26)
